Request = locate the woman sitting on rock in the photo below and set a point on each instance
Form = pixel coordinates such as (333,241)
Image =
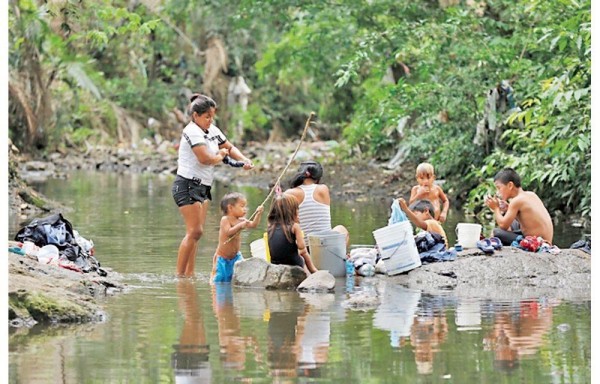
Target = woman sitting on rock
(314,200)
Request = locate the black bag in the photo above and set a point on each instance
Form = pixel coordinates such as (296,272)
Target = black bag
(53,229)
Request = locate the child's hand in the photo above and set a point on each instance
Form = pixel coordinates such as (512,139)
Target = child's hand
(492,202)
(503,205)
(248,165)
(442,217)
(402,203)
(423,192)
(260,209)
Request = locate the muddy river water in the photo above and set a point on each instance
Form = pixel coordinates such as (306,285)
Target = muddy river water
(165,330)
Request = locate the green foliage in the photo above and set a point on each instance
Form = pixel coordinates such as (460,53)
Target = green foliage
(362,66)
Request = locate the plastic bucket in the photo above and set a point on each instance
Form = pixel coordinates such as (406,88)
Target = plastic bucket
(397,247)
(468,234)
(260,248)
(328,251)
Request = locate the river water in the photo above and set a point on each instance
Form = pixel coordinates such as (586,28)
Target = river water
(165,330)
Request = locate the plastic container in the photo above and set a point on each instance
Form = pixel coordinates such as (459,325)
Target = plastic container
(30,248)
(468,234)
(349,268)
(397,247)
(47,253)
(260,248)
(328,252)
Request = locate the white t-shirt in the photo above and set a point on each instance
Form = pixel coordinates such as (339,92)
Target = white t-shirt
(188,165)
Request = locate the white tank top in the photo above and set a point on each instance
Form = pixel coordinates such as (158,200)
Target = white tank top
(314,216)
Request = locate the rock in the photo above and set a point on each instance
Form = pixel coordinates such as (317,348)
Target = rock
(256,272)
(320,281)
(506,272)
(50,294)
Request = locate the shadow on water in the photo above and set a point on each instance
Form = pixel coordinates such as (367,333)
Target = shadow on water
(169,330)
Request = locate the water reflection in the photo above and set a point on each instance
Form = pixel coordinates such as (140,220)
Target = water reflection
(396,311)
(232,345)
(518,332)
(190,359)
(468,314)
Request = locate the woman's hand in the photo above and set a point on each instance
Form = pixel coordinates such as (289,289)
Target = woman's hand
(223,152)
(248,164)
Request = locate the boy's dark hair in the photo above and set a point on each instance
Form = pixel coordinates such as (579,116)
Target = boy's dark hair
(307,170)
(230,199)
(422,205)
(508,174)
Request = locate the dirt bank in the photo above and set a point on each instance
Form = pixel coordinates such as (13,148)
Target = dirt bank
(40,293)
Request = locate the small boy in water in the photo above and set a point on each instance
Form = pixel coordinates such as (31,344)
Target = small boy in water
(427,190)
(234,208)
(524,206)
(419,214)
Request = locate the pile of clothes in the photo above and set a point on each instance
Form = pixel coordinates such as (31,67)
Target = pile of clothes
(534,244)
(56,232)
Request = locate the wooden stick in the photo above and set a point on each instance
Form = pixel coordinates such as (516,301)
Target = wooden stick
(312,114)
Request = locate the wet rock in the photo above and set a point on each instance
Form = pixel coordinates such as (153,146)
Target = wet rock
(320,281)
(256,272)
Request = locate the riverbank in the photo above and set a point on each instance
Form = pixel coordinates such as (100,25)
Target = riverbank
(41,293)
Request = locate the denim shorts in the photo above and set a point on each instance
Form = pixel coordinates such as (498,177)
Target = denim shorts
(187,192)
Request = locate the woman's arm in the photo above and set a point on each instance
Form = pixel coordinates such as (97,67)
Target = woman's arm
(236,154)
(205,157)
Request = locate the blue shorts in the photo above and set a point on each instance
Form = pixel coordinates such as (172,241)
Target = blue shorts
(224,270)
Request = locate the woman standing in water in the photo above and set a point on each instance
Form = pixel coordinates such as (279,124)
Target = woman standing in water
(202,146)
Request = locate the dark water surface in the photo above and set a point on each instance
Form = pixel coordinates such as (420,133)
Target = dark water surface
(165,330)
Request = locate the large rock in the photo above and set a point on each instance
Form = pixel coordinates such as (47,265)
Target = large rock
(507,271)
(256,272)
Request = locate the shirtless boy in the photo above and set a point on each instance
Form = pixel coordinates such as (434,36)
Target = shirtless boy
(234,208)
(427,190)
(524,206)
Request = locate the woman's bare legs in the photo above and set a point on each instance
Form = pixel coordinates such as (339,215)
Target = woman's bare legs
(194,216)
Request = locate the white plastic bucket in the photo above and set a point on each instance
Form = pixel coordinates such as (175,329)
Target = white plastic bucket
(328,252)
(468,234)
(397,247)
(260,248)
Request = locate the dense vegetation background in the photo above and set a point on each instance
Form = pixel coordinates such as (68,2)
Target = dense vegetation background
(403,80)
